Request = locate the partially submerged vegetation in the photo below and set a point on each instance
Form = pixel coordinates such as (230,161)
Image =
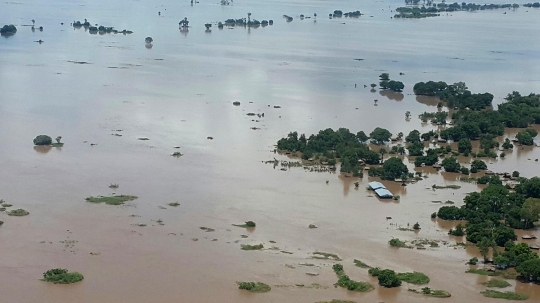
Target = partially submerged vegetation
(398,243)
(346,282)
(42,140)
(247,224)
(325,256)
(387,277)
(497,283)
(111,200)
(252,247)
(437,293)
(361,264)
(18,212)
(8,30)
(416,278)
(174,204)
(254,286)
(508,295)
(62,276)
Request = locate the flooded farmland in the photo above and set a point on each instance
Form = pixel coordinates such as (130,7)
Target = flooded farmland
(103,93)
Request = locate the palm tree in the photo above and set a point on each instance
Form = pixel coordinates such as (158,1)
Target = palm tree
(33,21)
(249,18)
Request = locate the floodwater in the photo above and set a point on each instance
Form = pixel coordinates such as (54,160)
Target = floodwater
(178,93)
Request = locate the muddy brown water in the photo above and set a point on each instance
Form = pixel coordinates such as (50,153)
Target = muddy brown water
(178,93)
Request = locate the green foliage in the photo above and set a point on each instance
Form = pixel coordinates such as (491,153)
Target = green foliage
(416,226)
(451,165)
(515,174)
(530,211)
(345,281)
(455,95)
(254,286)
(384,76)
(333,144)
(507,144)
(473,261)
(252,247)
(396,86)
(388,278)
(450,213)
(374,271)
(338,268)
(519,111)
(504,295)
(174,204)
(413,137)
(111,200)
(497,283)
(458,231)
(397,243)
(8,29)
(529,187)
(380,135)
(464,170)
(361,264)
(42,140)
(393,168)
(478,165)
(416,149)
(417,278)
(61,276)
(530,269)
(18,213)
(464,145)
(524,138)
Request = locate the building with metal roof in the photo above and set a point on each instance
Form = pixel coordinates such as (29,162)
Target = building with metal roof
(380,190)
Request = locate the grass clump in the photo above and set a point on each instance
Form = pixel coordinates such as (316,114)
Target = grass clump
(397,243)
(6,205)
(446,186)
(177,154)
(174,204)
(361,264)
(438,293)
(247,224)
(111,200)
(417,278)
(473,261)
(62,276)
(252,247)
(506,274)
(254,286)
(326,256)
(207,229)
(18,212)
(497,283)
(508,295)
(345,281)
(114,185)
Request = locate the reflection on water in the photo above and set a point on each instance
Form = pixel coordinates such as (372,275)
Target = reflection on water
(43,149)
(392,95)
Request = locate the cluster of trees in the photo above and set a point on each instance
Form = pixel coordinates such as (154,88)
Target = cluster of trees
(393,168)
(526,137)
(386,83)
(436,117)
(330,145)
(387,277)
(514,255)
(536,4)
(455,95)
(518,112)
(495,212)
(8,30)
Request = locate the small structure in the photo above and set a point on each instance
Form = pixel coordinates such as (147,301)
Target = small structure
(381,190)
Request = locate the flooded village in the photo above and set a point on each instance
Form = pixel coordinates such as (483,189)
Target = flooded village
(247,151)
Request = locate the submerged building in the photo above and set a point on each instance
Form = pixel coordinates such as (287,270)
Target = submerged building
(380,190)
